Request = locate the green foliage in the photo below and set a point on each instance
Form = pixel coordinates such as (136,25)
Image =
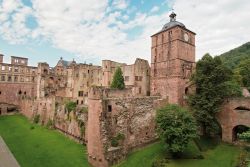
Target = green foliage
(244,70)
(84,110)
(115,140)
(50,124)
(159,162)
(210,78)
(118,80)
(176,127)
(81,124)
(233,58)
(233,89)
(36,119)
(245,136)
(70,106)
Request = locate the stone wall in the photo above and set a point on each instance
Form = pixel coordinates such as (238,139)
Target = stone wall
(73,124)
(13,93)
(128,121)
(6,109)
(234,112)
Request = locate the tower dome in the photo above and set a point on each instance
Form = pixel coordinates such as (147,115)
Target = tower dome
(172,22)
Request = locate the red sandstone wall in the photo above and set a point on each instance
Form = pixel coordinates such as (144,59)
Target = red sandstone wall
(10,92)
(95,146)
(229,117)
(110,115)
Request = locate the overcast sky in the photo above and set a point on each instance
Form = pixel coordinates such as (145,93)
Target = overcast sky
(120,30)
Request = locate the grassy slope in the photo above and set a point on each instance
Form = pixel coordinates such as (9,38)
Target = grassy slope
(220,156)
(40,147)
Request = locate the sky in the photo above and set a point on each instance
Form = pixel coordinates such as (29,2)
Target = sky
(92,30)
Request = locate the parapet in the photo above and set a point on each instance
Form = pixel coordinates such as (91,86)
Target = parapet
(98,92)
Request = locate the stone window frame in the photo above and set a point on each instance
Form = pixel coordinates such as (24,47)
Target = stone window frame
(3,77)
(126,78)
(9,79)
(16,78)
(80,93)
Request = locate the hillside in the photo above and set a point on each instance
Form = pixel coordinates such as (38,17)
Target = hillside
(233,57)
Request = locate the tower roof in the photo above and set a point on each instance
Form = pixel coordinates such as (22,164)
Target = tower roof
(172,22)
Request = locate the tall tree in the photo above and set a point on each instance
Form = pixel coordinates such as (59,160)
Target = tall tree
(118,80)
(211,88)
(176,127)
(244,70)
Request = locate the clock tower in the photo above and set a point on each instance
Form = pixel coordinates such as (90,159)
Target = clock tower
(172,60)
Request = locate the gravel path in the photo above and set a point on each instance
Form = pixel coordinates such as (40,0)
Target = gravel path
(6,157)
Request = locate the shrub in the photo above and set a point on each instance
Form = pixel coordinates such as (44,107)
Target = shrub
(50,124)
(36,119)
(84,110)
(115,140)
(70,106)
(176,127)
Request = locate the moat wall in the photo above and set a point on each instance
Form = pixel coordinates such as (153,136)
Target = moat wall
(53,109)
(117,117)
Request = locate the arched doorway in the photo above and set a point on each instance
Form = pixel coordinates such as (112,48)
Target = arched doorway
(238,130)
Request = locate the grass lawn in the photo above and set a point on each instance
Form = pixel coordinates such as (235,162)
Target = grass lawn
(222,155)
(40,147)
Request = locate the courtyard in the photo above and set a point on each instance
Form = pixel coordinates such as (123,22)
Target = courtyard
(36,146)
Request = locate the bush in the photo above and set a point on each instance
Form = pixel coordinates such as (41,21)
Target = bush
(50,124)
(36,119)
(115,140)
(70,106)
(159,162)
(32,127)
(84,110)
(176,127)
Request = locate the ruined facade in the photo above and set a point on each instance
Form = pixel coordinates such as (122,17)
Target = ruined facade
(18,81)
(119,120)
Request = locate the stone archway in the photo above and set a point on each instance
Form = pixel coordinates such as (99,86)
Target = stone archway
(238,130)
(233,113)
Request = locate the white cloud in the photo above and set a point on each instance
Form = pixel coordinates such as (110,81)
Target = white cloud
(220,25)
(96,30)
(154,9)
(120,4)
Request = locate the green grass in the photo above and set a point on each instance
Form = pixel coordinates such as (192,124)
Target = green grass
(144,157)
(221,155)
(40,147)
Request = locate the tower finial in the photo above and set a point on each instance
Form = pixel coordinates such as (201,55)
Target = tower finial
(172,16)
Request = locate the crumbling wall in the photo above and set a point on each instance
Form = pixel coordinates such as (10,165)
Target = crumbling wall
(73,124)
(121,124)
(233,112)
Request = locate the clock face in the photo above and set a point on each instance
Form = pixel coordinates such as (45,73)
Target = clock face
(186,37)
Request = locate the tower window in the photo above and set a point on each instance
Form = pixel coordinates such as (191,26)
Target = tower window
(109,108)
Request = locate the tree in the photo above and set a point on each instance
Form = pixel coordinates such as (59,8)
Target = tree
(211,89)
(118,80)
(244,70)
(176,127)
